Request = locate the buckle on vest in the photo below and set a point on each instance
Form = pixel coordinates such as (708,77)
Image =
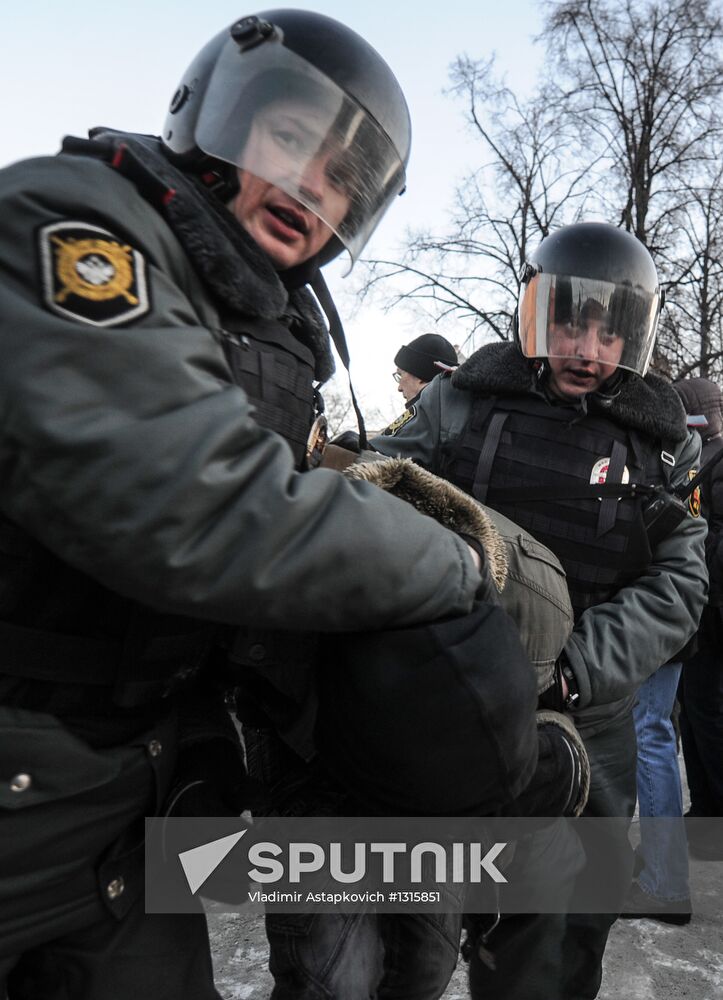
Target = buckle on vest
(666,457)
(316,442)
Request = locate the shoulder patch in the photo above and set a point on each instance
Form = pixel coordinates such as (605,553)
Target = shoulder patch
(401,420)
(88,274)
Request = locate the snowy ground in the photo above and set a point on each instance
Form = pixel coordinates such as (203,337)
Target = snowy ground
(645,959)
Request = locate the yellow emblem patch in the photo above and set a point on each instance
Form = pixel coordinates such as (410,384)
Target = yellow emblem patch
(91,275)
(694,498)
(401,420)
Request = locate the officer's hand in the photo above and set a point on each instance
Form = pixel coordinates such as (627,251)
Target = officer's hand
(348,440)
(476,557)
(337,458)
(487,589)
(565,688)
(445,503)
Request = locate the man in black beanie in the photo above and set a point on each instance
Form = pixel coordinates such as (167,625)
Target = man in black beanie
(419,361)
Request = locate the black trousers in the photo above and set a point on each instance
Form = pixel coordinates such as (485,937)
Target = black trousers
(72,921)
(159,956)
(700,693)
(559,956)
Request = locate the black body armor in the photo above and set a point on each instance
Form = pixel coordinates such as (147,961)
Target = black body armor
(522,442)
(74,648)
(276,372)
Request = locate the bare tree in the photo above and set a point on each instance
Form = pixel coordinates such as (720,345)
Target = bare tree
(338,408)
(625,126)
(691,333)
(642,80)
(522,189)
(339,411)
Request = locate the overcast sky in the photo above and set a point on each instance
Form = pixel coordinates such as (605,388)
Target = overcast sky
(68,65)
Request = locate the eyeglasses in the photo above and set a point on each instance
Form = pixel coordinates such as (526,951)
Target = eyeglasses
(397,376)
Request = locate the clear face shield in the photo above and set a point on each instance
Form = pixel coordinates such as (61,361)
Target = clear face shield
(274,115)
(561,316)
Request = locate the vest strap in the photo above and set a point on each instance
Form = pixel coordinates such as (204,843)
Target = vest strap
(608,506)
(600,491)
(487,456)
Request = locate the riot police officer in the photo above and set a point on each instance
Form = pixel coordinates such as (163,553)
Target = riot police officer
(540,429)
(158,392)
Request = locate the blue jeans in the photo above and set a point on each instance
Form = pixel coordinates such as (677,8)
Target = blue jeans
(663,845)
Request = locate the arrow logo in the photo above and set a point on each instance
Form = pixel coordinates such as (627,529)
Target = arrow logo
(199,863)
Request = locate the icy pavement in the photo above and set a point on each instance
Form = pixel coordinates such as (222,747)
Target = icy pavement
(645,960)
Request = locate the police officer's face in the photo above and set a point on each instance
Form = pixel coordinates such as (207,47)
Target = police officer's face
(289,139)
(588,352)
(409,385)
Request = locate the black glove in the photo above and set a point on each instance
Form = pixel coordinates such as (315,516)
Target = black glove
(348,440)
(210,780)
(560,785)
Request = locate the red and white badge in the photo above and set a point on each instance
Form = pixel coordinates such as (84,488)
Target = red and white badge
(599,473)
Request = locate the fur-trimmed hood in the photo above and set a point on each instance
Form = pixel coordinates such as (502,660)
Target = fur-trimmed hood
(648,405)
(530,579)
(228,260)
(441,500)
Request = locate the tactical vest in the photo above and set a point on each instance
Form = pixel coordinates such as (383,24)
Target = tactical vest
(272,673)
(276,371)
(71,646)
(522,442)
(59,626)
(68,642)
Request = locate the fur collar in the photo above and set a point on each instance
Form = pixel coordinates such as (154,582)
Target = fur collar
(228,260)
(648,405)
(313,332)
(441,500)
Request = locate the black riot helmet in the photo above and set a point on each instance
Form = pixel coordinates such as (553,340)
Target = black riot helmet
(590,291)
(280,92)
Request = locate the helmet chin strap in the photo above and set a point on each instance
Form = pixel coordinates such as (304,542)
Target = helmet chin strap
(300,275)
(309,273)
(610,389)
(336,331)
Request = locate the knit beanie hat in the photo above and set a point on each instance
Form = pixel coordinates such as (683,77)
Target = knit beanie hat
(418,356)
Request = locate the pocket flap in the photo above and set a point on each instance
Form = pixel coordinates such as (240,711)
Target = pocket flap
(41,760)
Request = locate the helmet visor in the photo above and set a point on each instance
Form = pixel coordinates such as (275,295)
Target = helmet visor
(561,316)
(274,115)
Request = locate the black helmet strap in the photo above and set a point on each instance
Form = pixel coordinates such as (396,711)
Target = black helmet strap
(336,331)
